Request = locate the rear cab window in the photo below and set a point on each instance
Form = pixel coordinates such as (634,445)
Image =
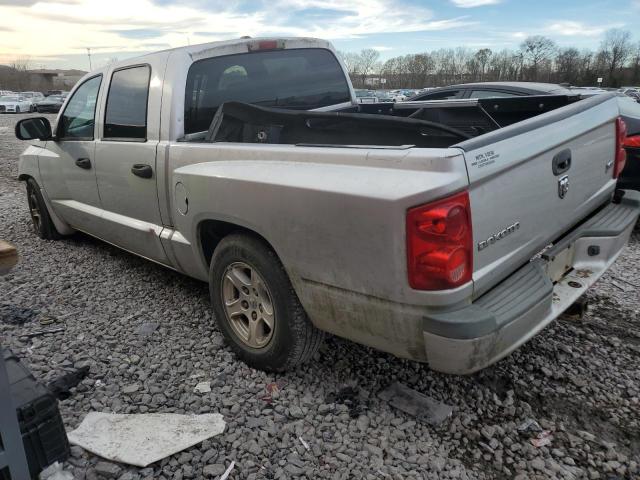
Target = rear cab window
(446,95)
(126,111)
(492,94)
(302,79)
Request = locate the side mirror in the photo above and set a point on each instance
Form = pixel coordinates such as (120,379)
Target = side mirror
(34,128)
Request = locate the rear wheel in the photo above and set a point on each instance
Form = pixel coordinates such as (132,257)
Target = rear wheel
(256,307)
(40,219)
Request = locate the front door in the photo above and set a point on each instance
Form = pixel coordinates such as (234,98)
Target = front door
(67,163)
(126,160)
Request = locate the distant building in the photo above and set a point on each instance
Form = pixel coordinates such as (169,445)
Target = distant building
(39,80)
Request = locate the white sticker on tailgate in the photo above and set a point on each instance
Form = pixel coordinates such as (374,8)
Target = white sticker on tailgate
(485,159)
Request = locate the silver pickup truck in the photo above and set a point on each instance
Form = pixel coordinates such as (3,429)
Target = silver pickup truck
(249,164)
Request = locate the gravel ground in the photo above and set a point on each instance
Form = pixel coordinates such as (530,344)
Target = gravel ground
(579,379)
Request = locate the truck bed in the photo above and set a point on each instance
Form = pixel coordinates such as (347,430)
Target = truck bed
(422,124)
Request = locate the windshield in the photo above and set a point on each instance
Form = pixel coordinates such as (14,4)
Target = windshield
(9,99)
(301,79)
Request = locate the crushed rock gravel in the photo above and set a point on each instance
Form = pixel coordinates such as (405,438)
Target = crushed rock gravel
(149,337)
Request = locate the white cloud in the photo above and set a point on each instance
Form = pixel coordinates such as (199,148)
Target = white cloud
(569,28)
(133,25)
(474,3)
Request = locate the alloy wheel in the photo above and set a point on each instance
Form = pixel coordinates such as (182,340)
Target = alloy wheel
(248,305)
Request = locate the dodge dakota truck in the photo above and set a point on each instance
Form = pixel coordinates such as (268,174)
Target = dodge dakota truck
(436,235)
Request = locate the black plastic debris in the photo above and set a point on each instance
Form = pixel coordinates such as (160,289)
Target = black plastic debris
(423,408)
(61,386)
(14,315)
(350,397)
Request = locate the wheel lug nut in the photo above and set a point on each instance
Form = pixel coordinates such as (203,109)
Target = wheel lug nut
(261,308)
(254,315)
(245,304)
(245,290)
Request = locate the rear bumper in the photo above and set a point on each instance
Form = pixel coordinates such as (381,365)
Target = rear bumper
(469,339)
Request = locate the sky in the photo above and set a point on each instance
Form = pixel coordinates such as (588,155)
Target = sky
(56,34)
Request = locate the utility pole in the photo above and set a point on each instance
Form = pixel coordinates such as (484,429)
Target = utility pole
(89,53)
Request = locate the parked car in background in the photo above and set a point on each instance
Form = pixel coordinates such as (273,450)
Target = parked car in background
(14,104)
(629,110)
(5,92)
(53,92)
(631,92)
(50,104)
(404,234)
(383,96)
(397,95)
(366,96)
(491,89)
(34,96)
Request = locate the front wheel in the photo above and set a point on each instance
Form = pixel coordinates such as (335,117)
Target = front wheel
(256,307)
(41,220)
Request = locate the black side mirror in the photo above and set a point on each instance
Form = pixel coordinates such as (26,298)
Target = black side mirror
(34,128)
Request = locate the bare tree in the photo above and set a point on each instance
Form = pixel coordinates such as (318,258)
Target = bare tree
(537,50)
(615,50)
(568,65)
(482,58)
(20,66)
(368,60)
(635,64)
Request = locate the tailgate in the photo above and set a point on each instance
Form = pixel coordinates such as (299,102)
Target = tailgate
(533,181)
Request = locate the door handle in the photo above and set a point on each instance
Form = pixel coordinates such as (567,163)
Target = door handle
(141,170)
(84,163)
(561,162)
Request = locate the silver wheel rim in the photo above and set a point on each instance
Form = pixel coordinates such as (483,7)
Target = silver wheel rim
(248,305)
(34,210)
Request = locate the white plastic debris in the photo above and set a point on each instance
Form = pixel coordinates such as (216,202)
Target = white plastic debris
(228,471)
(55,472)
(203,387)
(304,444)
(141,439)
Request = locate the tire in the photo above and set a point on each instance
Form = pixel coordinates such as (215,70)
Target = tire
(17,109)
(37,110)
(40,218)
(292,339)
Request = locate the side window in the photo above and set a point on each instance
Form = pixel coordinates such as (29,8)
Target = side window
(446,95)
(78,119)
(492,94)
(126,113)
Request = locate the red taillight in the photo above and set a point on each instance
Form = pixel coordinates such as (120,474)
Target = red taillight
(440,244)
(632,142)
(621,153)
(266,45)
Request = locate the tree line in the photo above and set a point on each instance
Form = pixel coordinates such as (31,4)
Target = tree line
(538,59)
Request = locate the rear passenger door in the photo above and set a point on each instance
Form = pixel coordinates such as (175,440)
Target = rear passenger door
(126,159)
